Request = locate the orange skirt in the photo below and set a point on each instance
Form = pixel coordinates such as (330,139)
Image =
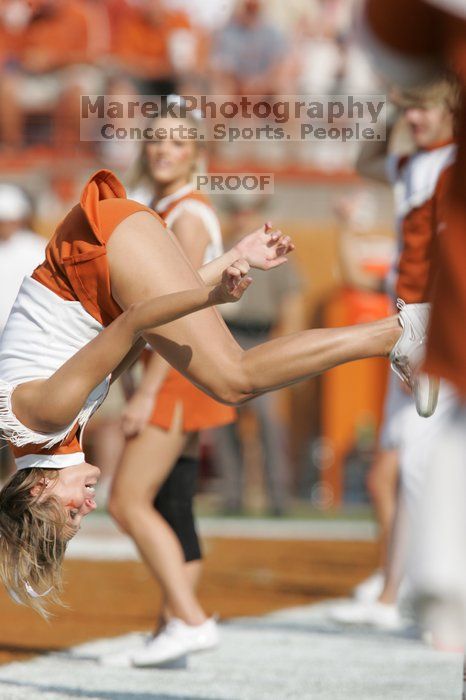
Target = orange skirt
(200,411)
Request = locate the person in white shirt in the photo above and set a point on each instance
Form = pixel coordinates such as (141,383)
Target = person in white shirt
(21,250)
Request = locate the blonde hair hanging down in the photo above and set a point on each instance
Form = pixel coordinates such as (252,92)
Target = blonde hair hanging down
(34,532)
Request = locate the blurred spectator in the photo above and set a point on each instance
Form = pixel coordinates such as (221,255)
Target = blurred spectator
(324,57)
(155,45)
(208,14)
(54,48)
(364,256)
(58,194)
(293,15)
(21,250)
(274,303)
(14,16)
(319,42)
(357,75)
(250,54)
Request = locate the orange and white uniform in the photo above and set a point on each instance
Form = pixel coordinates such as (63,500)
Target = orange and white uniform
(58,310)
(419,187)
(200,411)
(410,41)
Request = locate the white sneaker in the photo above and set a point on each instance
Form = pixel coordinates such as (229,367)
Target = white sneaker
(177,640)
(370,589)
(408,354)
(375,614)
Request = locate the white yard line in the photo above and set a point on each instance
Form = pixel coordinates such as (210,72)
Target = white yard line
(100,539)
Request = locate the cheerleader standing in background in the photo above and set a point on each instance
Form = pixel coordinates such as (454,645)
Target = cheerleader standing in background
(163,418)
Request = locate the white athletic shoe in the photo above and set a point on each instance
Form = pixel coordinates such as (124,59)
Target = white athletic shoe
(175,641)
(370,589)
(408,354)
(375,614)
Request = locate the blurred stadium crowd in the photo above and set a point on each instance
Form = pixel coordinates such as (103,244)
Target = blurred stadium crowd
(51,52)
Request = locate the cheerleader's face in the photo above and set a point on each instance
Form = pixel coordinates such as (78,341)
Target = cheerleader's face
(173,156)
(75,489)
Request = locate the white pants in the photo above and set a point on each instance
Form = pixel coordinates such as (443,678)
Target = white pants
(417,438)
(437,561)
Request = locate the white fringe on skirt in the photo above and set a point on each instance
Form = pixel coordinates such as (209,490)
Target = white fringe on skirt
(12,430)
